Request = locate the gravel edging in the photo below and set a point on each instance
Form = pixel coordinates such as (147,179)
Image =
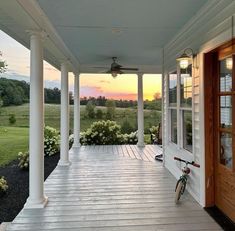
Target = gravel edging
(18,191)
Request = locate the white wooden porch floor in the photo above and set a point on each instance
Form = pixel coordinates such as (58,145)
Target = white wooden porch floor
(110,188)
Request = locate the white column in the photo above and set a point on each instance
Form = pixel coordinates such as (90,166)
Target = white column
(64,117)
(76,132)
(140,111)
(36,198)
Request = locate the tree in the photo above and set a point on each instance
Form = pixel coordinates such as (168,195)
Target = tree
(99,114)
(3,65)
(110,109)
(12,119)
(90,110)
(157,96)
(126,127)
(1,104)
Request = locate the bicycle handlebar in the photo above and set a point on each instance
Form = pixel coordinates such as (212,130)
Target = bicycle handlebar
(187,162)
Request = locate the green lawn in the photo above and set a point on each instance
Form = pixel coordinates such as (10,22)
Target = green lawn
(12,141)
(52,116)
(15,138)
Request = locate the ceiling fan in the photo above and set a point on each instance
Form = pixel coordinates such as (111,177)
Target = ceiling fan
(116,69)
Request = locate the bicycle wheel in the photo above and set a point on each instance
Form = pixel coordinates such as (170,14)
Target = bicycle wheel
(178,191)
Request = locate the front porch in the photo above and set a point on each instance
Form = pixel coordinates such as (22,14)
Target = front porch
(116,187)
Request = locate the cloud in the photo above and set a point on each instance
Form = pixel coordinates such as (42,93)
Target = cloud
(104,81)
(11,74)
(91,91)
(124,96)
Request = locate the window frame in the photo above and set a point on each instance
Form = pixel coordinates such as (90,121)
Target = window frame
(180,112)
(172,107)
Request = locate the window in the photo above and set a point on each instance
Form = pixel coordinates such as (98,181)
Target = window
(186,87)
(173,106)
(186,107)
(187,130)
(180,108)
(173,126)
(173,89)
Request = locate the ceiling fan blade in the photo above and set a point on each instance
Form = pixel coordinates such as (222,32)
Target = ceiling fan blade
(129,69)
(101,67)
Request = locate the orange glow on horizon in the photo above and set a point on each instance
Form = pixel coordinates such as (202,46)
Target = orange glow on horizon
(123,87)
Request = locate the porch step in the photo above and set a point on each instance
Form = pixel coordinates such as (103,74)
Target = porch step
(4,225)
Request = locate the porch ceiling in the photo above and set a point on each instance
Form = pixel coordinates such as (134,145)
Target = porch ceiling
(94,31)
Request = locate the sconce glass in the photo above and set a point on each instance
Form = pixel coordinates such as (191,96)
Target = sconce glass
(186,58)
(229,63)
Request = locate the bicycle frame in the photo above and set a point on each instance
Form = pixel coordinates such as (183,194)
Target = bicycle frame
(183,178)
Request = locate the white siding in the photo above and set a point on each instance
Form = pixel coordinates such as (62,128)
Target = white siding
(208,29)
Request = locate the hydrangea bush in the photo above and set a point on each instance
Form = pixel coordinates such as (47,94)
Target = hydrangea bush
(106,133)
(3,185)
(51,147)
(71,139)
(129,138)
(23,158)
(51,141)
(102,132)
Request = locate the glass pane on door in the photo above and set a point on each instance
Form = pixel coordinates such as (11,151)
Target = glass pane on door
(226,149)
(226,111)
(226,67)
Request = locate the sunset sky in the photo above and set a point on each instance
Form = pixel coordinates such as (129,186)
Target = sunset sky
(123,87)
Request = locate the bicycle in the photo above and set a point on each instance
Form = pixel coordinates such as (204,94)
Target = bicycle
(181,183)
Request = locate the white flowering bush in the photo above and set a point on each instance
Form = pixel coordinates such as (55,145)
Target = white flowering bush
(105,133)
(71,140)
(3,185)
(102,132)
(129,138)
(23,158)
(51,147)
(51,141)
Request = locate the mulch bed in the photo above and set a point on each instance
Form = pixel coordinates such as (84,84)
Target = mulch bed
(18,181)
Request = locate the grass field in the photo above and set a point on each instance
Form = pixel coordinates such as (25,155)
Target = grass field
(52,116)
(14,138)
(12,141)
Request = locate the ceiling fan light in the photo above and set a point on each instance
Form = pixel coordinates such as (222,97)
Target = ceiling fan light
(114,74)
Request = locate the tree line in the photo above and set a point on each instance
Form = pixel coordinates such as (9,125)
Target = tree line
(15,92)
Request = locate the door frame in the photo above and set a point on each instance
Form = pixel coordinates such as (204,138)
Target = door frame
(210,61)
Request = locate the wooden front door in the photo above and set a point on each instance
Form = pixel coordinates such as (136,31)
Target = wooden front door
(224,134)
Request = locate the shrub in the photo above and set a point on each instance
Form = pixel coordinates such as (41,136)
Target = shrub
(90,110)
(23,158)
(3,185)
(102,132)
(110,107)
(71,139)
(99,114)
(126,127)
(129,138)
(51,141)
(12,119)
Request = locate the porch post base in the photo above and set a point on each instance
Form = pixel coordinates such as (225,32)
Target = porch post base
(76,146)
(140,144)
(64,163)
(36,205)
